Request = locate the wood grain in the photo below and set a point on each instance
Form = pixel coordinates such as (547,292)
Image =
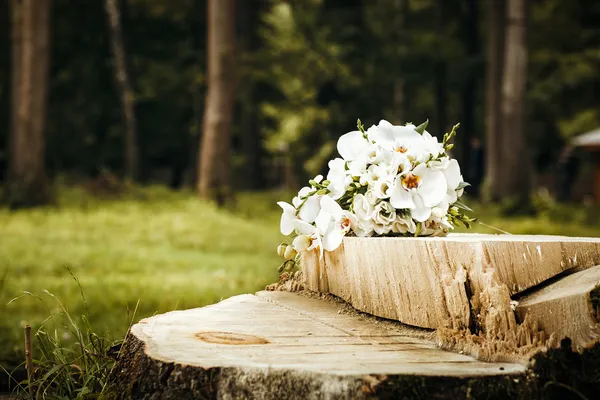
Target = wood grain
(565,308)
(454,282)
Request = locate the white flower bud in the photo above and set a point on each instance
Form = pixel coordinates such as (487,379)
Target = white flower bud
(290,253)
(281,249)
(437,212)
(301,243)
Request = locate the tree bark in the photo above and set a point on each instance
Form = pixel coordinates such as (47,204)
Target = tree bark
(515,157)
(469,90)
(440,72)
(27,181)
(248,12)
(125,90)
(401,8)
(214,165)
(496,10)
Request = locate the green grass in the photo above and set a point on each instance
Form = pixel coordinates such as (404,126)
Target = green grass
(166,249)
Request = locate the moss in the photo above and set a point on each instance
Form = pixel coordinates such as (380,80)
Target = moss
(595,299)
(562,373)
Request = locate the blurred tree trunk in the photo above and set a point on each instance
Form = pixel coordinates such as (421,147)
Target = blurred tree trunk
(214,166)
(401,10)
(515,156)
(440,71)
(125,90)
(249,19)
(27,180)
(470,86)
(496,10)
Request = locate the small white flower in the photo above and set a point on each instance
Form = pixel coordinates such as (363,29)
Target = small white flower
(384,214)
(363,227)
(363,209)
(403,225)
(382,189)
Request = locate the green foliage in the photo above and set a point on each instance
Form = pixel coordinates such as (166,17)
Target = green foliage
(71,360)
(166,249)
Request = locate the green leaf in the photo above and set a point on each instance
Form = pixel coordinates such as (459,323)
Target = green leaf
(421,128)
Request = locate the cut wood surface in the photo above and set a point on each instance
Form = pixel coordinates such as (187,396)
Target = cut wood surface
(445,282)
(565,308)
(283,345)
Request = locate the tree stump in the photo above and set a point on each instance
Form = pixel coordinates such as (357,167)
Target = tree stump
(279,345)
(470,285)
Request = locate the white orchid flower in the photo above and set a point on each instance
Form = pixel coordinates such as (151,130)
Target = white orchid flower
(431,145)
(400,139)
(310,234)
(334,223)
(419,190)
(310,209)
(288,217)
(338,178)
(453,179)
(298,199)
(352,145)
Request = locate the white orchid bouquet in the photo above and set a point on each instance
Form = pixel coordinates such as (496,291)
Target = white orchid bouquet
(390,181)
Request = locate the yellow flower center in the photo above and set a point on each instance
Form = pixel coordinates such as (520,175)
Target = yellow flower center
(401,149)
(411,181)
(346,224)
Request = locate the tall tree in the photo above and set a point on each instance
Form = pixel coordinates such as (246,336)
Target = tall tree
(496,10)
(470,86)
(214,165)
(27,181)
(440,69)
(125,90)
(515,157)
(401,10)
(249,135)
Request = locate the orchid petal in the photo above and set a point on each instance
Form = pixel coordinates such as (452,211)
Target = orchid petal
(323,221)
(433,187)
(400,197)
(286,224)
(452,174)
(304,227)
(351,145)
(309,211)
(421,212)
(330,206)
(333,238)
